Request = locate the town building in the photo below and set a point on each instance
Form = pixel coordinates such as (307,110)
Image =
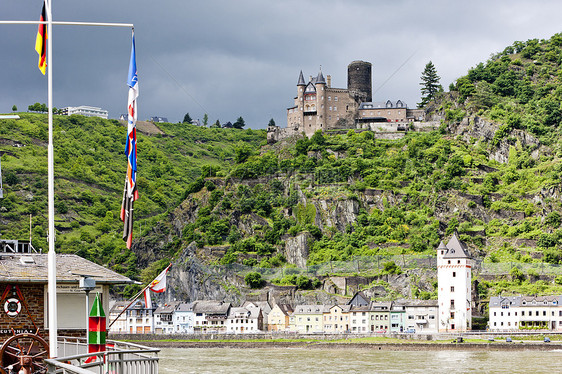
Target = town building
(210,316)
(244,321)
(515,313)
(156,119)
(307,319)
(454,280)
(279,317)
(336,319)
(118,318)
(398,317)
(164,318)
(378,318)
(84,110)
(420,316)
(264,306)
(183,318)
(140,318)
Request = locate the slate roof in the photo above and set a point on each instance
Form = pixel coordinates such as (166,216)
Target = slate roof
(211,307)
(167,308)
(457,249)
(32,268)
(185,307)
(286,308)
(263,305)
(301,80)
(310,309)
(398,104)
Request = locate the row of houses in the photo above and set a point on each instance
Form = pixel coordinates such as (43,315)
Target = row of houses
(360,315)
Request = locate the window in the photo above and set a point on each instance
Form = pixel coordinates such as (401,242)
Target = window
(452,303)
(452,289)
(454,272)
(452,315)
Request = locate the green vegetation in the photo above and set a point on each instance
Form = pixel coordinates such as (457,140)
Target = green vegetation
(89,172)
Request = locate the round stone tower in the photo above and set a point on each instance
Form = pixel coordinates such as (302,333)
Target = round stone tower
(359,80)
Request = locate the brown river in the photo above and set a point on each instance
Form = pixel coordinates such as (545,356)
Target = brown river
(340,361)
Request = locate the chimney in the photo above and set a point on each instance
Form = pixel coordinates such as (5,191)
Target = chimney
(329,81)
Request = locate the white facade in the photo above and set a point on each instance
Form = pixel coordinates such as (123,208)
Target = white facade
(244,321)
(140,320)
(88,111)
(454,286)
(521,313)
(183,319)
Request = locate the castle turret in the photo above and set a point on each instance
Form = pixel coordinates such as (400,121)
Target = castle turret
(359,81)
(321,98)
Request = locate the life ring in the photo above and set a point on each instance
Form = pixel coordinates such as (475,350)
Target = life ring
(12,307)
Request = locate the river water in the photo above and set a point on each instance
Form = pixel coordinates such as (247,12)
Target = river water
(305,361)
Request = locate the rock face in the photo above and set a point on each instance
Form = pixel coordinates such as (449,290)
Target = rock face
(296,249)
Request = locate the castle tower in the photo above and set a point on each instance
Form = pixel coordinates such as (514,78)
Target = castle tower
(321,99)
(359,80)
(454,281)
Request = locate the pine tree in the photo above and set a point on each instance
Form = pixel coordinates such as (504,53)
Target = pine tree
(430,84)
(187,118)
(239,124)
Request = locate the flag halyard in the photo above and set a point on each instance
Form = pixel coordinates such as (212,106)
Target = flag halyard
(41,41)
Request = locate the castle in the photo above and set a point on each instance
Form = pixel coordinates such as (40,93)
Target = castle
(319,106)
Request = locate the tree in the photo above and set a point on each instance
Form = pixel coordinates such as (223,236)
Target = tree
(14,108)
(254,280)
(430,84)
(239,124)
(205,120)
(271,122)
(187,118)
(216,125)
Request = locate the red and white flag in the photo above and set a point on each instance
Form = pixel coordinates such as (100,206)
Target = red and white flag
(158,285)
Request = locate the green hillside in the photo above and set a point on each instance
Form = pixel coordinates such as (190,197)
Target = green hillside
(90,170)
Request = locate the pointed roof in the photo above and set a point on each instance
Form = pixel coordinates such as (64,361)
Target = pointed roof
(442,246)
(301,80)
(457,249)
(320,78)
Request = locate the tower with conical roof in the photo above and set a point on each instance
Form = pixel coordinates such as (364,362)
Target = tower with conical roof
(454,282)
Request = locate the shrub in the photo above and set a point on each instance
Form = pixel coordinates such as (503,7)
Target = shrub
(254,280)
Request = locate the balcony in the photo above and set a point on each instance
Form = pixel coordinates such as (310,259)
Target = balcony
(120,357)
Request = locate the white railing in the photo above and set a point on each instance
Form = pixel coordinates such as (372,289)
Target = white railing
(120,357)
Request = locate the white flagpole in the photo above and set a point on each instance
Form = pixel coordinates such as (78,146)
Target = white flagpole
(52,257)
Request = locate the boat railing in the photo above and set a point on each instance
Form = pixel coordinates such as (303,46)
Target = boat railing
(119,357)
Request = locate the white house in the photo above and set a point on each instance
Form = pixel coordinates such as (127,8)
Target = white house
(164,318)
(84,110)
(243,321)
(183,318)
(264,306)
(140,320)
(454,286)
(516,313)
(210,316)
(420,315)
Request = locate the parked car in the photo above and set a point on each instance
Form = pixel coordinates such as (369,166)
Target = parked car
(410,331)
(508,340)
(546,339)
(491,339)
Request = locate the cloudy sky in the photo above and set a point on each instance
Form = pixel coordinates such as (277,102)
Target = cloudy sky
(231,58)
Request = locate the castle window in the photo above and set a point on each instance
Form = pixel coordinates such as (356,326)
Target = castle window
(329,98)
(335,108)
(454,272)
(336,98)
(330,108)
(452,289)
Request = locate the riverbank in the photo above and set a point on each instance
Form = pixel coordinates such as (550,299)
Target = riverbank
(352,344)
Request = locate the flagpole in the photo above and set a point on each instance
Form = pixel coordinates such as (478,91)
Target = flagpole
(52,258)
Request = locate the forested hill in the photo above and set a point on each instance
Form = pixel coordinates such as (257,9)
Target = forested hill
(90,168)
(491,172)
(217,197)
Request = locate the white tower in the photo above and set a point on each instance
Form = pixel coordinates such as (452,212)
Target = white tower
(454,286)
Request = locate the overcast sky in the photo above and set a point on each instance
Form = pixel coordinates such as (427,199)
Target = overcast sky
(231,58)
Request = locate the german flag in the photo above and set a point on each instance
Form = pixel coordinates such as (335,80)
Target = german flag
(41,41)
